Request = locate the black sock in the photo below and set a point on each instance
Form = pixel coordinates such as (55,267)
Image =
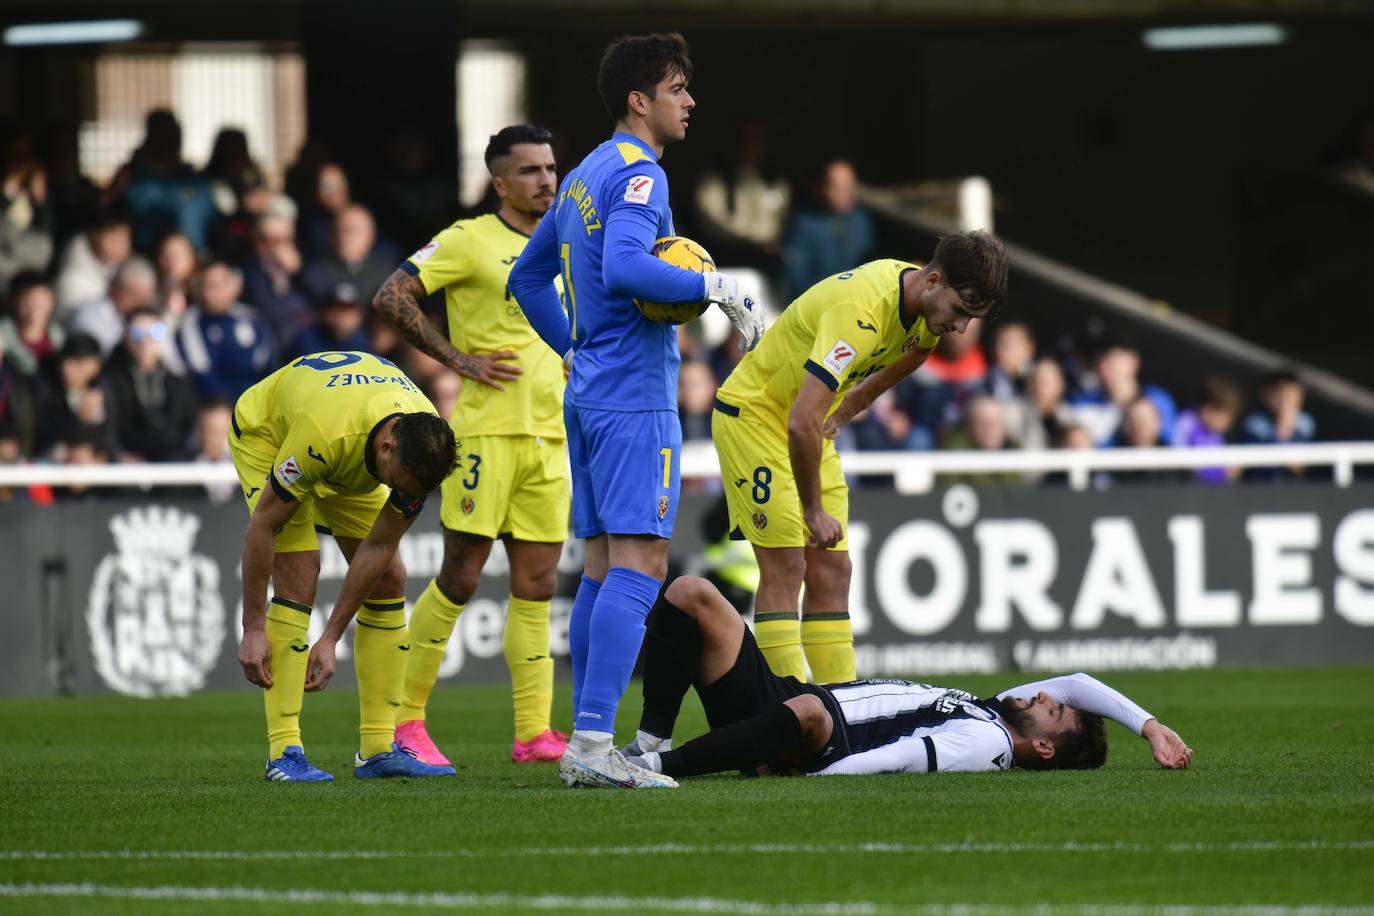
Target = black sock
(672,653)
(740,745)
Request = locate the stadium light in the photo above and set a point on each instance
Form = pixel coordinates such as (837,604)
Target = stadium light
(1200,37)
(73,33)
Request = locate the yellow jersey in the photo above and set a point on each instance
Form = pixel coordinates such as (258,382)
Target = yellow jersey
(471,262)
(319,413)
(842,330)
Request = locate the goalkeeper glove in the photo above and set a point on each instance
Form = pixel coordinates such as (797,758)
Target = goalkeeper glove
(744,310)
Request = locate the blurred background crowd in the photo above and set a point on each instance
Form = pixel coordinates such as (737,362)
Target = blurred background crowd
(135,311)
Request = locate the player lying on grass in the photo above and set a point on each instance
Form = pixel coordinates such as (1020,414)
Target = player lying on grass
(769,724)
(341,442)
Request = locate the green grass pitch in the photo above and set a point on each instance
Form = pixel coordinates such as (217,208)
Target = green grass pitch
(114,805)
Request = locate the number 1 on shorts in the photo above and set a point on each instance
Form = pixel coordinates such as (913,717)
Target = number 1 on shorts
(667,454)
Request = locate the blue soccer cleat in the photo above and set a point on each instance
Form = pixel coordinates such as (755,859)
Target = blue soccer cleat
(292,766)
(396,762)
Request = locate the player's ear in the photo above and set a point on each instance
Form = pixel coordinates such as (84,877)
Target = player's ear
(499,184)
(1043,747)
(638,102)
(934,278)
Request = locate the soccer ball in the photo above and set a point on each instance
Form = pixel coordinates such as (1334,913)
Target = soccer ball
(688,255)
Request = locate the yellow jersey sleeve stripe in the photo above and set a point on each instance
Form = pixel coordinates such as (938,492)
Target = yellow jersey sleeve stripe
(632,154)
(824,375)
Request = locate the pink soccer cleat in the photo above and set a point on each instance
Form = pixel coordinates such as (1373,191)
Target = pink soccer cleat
(548,745)
(414,737)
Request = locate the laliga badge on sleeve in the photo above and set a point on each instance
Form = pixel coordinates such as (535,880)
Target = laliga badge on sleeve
(637,191)
(839,357)
(289,471)
(423,254)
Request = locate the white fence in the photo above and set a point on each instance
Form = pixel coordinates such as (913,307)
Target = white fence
(912,472)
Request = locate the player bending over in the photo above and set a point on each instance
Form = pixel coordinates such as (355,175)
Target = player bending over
(512,479)
(842,343)
(770,724)
(620,410)
(316,445)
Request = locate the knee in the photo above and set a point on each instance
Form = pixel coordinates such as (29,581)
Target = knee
(457,580)
(690,595)
(789,568)
(392,582)
(532,586)
(832,571)
(295,575)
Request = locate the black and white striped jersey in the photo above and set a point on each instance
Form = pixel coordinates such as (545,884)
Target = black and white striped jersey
(892,726)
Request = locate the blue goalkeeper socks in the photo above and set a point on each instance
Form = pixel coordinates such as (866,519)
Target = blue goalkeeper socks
(579,630)
(617,629)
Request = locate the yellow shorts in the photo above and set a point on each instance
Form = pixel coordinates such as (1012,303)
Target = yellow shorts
(759,488)
(343,514)
(509,485)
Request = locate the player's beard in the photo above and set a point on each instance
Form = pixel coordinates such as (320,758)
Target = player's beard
(1019,719)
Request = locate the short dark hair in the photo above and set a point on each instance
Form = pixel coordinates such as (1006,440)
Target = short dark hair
(426,448)
(975,266)
(1221,393)
(1084,748)
(79,346)
(639,63)
(501,142)
(24,281)
(1279,377)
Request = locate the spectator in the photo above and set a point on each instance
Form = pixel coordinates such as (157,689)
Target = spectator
(1209,424)
(418,196)
(984,430)
(833,236)
(225,344)
(1279,421)
(742,202)
(26,216)
(19,411)
(89,261)
(1101,411)
(885,426)
(1142,427)
(29,334)
(134,286)
(231,170)
(1043,413)
(1013,360)
(934,397)
(696,396)
(69,397)
(83,445)
(74,197)
(725,356)
(152,409)
(162,191)
(210,445)
(271,277)
(1072,437)
(351,258)
(13,452)
(176,266)
(339,325)
(330,195)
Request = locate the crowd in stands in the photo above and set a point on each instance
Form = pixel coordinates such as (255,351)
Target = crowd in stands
(133,315)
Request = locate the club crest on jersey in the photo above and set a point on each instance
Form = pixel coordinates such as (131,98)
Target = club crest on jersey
(760,520)
(663,507)
(289,471)
(839,357)
(637,191)
(467,505)
(423,254)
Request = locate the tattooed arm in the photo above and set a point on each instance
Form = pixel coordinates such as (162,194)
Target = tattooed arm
(399,302)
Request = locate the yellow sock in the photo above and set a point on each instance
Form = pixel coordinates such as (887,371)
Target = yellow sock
(381,647)
(828,640)
(531,667)
(779,636)
(286,627)
(431,625)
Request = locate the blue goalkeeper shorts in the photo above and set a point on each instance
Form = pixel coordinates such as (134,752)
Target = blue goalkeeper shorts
(626,470)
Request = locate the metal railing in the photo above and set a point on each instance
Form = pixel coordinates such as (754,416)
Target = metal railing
(912,472)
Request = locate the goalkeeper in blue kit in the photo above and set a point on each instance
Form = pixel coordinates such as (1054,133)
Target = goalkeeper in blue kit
(620,409)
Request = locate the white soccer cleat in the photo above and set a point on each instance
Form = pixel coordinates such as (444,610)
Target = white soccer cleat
(609,771)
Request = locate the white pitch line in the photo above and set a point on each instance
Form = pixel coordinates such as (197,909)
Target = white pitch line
(682,849)
(560,902)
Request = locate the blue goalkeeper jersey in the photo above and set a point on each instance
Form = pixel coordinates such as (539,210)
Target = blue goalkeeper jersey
(610,210)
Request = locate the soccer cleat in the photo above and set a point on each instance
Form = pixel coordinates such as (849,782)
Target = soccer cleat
(544,746)
(609,771)
(413,736)
(396,762)
(292,766)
